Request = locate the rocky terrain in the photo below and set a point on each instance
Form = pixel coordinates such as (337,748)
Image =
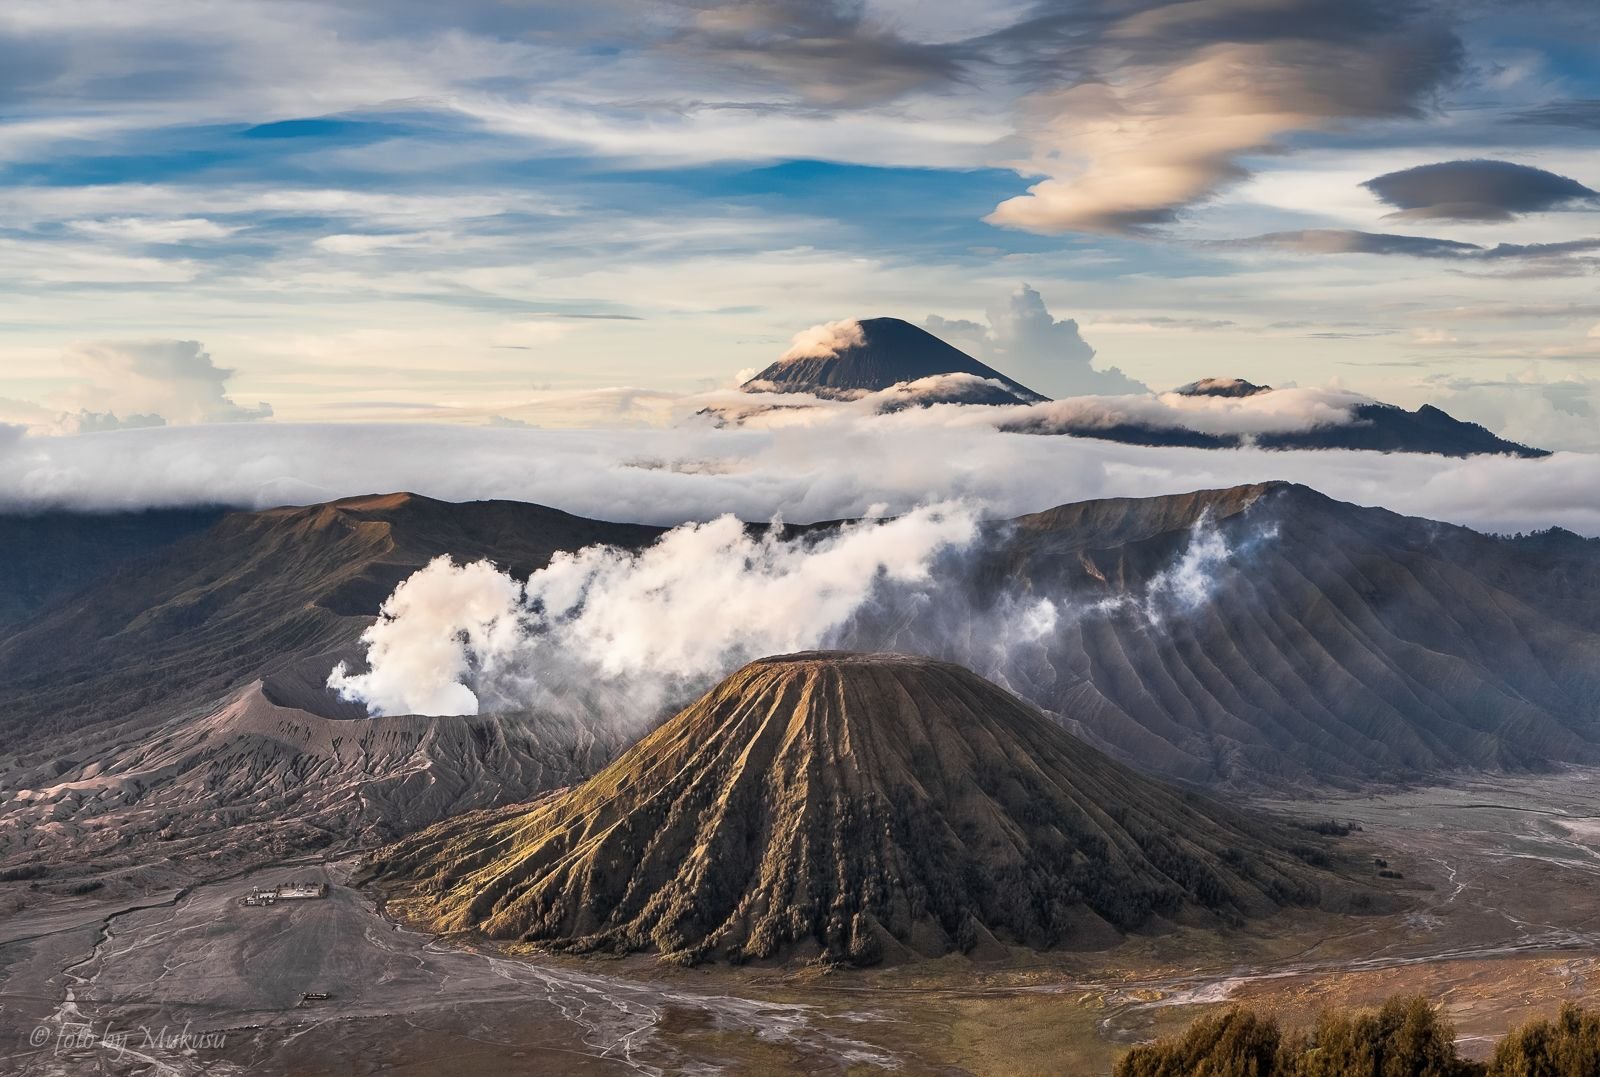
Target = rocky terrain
(257,780)
(853,808)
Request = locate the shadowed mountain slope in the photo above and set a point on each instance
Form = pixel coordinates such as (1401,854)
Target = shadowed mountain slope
(852,807)
(46,555)
(1391,428)
(1322,642)
(890,352)
(279,594)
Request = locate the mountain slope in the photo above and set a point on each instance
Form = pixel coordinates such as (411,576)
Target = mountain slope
(1372,426)
(885,353)
(1325,642)
(258,779)
(852,806)
(279,594)
(46,555)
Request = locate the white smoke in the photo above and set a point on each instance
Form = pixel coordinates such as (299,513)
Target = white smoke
(822,341)
(625,636)
(431,632)
(606,627)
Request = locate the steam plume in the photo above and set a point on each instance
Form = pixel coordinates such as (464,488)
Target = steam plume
(605,625)
(622,635)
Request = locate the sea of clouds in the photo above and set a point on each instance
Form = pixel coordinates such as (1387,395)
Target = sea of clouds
(837,463)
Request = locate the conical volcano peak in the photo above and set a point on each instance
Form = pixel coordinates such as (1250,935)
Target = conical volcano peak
(854,357)
(1226,387)
(852,807)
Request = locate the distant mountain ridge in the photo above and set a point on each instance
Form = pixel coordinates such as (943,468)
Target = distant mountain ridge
(910,367)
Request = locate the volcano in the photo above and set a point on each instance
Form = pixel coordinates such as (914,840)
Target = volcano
(1373,426)
(850,807)
(875,354)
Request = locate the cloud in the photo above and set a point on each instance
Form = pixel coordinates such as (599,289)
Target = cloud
(842,465)
(1563,411)
(1024,341)
(84,421)
(642,629)
(1543,259)
(1350,241)
(1167,99)
(1582,114)
(153,229)
(1477,190)
(1275,411)
(831,52)
(163,380)
(825,340)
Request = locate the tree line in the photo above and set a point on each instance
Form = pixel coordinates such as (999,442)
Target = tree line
(1407,1037)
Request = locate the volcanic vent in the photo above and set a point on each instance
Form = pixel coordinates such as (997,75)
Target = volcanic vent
(852,807)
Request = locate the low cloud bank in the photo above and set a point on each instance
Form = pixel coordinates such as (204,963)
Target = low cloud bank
(841,465)
(1272,411)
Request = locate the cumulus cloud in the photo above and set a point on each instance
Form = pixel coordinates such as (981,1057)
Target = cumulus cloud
(153,381)
(844,465)
(1528,405)
(825,340)
(1166,99)
(1025,341)
(648,628)
(1477,190)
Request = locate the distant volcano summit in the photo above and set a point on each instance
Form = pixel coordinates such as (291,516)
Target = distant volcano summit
(851,807)
(843,360)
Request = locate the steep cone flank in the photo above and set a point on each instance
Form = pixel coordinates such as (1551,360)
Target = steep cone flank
(890,352)
(857,805)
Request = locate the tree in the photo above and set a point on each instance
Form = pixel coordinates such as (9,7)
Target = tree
(1567,1047)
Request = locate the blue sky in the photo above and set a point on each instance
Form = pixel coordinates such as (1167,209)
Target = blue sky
(350,210)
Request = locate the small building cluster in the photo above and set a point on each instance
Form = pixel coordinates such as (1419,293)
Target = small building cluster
(294,891)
